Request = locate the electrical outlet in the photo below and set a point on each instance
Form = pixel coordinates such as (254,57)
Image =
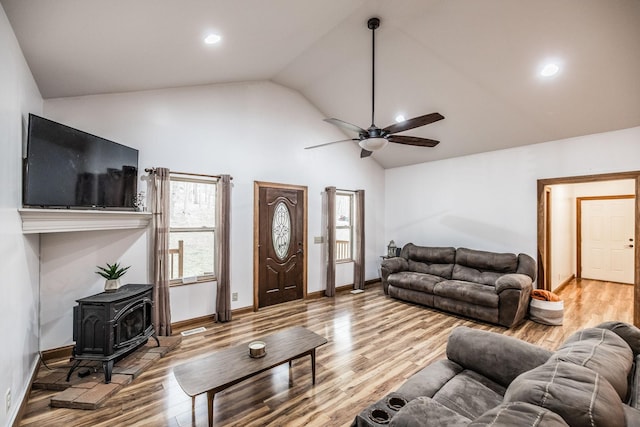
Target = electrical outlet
(234,296)
(8,400)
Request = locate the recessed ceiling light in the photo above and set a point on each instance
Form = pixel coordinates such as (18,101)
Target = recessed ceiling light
(550,69)
(400,118)
(212,39)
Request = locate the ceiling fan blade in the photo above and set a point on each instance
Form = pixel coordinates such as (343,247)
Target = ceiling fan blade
(329,143)
(413,123)
(345,125)
(365,153)
(413,140)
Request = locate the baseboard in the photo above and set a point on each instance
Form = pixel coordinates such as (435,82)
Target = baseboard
(197,321)
(344,288)
(25,397)
(57,353)
(189,323)
(564,283)
(242,310)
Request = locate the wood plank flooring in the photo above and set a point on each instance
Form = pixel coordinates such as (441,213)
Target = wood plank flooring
(375,343)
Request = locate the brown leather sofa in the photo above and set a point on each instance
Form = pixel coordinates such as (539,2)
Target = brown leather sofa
(488,286)
(489,379)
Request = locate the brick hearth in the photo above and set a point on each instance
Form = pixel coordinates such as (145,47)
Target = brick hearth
(91,392)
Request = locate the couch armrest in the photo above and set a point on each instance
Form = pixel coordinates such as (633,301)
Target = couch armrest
(389,266)
(516,281)
(497,357)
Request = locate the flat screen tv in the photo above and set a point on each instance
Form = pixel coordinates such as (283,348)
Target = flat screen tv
(69,168)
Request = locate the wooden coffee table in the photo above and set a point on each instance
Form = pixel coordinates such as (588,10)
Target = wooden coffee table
(229,366)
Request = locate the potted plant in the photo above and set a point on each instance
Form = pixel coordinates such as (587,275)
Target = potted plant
(112,272)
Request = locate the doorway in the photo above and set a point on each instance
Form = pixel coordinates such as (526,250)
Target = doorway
(543,227)
(280,236)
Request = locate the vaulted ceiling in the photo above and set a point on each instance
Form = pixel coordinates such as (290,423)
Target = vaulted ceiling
(475,62)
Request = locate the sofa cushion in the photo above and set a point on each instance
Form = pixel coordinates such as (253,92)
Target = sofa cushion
(487,261)
(498,357)
(579,395)
(430,379)
(415,281)
(426,412)
(519,414)
(429,255)
(527,265)
(602,351)
(442,270)
(470,394)
(468,274)
(629,333)
(468,292)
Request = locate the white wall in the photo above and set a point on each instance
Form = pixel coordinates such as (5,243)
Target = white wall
(488,201)
(563,222)
(18,253)
(254,131)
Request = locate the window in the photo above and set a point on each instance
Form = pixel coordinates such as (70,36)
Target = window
(344,226)
(192,229)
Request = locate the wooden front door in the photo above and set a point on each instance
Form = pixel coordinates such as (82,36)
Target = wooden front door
(281,212)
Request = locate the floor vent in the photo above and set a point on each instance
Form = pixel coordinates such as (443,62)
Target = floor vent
(357,291)
(193,331)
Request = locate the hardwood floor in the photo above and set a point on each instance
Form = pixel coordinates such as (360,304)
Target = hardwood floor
(375,343)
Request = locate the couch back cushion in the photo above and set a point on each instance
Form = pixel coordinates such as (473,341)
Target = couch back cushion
(518,414)
(527,265)
(602,351)
(429,260)
(629,333)
(579,395)
(482,267)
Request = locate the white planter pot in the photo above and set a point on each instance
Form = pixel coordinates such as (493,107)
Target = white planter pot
(111,285)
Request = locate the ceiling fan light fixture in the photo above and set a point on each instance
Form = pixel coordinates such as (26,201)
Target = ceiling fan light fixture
(373,144)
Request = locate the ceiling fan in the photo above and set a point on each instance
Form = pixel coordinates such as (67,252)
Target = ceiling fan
(374,138)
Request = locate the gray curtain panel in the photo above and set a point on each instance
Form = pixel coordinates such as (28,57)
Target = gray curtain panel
(223,224)
(160,195)
(330,221)
(358,255)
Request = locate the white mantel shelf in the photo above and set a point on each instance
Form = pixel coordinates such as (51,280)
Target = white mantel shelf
(65,220)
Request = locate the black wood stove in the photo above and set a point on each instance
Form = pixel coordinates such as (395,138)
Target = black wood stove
(110,325)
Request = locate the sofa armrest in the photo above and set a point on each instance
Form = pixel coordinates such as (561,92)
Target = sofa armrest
(497,357)
(516,281)
(514,291)
(389,266)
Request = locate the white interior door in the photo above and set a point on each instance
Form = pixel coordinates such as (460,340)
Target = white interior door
(607,240)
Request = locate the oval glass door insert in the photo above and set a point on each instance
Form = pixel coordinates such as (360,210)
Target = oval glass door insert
(281,230)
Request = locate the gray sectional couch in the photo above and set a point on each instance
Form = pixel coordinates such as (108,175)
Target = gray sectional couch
(488,286)
(489,379)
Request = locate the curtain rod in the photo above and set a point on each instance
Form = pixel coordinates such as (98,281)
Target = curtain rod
(152,170)
(342,189)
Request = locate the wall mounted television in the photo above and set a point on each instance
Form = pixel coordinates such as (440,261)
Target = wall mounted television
(69,168)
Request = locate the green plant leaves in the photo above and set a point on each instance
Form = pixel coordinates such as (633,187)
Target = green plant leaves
(112,271)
